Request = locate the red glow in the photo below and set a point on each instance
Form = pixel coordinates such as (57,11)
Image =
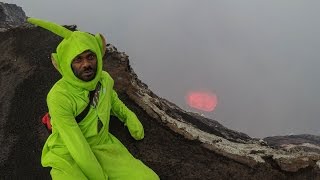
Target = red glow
(202,100)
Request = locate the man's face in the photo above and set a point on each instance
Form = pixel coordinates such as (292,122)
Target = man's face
(84,66)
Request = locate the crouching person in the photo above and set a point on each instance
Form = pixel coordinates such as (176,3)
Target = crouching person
(80,105)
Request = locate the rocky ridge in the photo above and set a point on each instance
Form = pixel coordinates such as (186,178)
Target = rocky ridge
(214,136)
(11,16)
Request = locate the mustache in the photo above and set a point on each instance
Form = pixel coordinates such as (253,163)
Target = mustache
(87,69)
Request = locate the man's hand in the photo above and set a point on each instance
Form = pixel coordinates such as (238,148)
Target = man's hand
(135,127)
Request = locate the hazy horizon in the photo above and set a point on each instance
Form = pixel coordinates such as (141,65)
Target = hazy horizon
(259,57)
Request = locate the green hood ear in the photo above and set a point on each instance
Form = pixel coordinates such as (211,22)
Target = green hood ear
(55,62)
(102,43)
(53,27)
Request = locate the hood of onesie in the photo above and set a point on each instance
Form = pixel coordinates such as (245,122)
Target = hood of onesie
(73,44)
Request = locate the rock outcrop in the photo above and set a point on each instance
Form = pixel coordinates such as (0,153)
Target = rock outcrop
(178,144)
(11,16)
(295,143)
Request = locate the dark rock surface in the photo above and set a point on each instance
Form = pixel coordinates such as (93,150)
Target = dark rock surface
(277,141)
(11,16)
(177,144)
(295,143)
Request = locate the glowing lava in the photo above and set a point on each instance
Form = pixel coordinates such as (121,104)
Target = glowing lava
(202,100)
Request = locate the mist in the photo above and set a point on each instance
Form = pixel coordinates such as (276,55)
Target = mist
(260,58)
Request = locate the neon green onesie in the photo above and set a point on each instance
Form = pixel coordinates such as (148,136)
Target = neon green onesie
(81,151)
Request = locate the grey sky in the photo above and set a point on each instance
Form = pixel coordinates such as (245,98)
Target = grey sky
(261,58)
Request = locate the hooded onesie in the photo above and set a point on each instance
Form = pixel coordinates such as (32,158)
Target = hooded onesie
(87,150)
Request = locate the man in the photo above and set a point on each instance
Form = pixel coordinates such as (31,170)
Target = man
(84,149)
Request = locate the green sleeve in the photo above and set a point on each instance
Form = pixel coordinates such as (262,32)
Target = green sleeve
(63,122)
(125,115)
(119,109)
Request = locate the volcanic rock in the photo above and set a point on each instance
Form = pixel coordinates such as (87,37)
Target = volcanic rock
(11,16)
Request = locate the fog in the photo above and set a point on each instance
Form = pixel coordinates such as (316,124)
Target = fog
(260,58)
